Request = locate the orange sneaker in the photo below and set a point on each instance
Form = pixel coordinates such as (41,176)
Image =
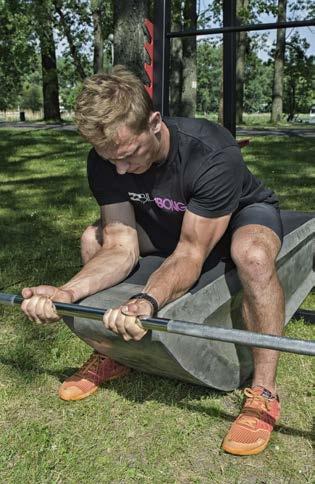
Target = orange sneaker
(90,376)
(251,431)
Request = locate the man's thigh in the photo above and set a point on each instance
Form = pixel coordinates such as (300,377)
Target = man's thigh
(261,214)
(256,230)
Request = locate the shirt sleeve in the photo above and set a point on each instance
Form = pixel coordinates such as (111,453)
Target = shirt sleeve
(106,185)
(217,185)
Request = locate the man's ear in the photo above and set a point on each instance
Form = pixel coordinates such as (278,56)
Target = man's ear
(155,122)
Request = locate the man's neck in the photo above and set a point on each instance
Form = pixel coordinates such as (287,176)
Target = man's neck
(164,143)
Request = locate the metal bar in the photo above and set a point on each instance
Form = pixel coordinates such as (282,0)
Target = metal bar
(162,22)
(242,28)
(229,67)
(186,328)
(307,314)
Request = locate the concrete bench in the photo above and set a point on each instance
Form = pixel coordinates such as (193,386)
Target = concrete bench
(214,300)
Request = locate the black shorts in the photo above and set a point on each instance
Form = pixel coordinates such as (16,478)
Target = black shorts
(264,214)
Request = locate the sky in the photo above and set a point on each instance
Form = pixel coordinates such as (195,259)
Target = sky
(306,32)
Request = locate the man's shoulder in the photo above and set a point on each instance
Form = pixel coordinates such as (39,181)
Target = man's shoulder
(95,160)
(93,157)
(212,135)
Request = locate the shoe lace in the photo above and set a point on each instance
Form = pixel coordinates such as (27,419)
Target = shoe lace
(257,403)
(92,364)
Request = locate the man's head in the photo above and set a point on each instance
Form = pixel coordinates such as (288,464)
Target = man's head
(115,113)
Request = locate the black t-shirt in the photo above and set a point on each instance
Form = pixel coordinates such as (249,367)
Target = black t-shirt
(204,172)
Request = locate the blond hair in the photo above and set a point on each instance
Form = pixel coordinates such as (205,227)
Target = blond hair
(110,100)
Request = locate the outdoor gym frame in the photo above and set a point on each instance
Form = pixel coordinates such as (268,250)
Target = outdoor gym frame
(163,36)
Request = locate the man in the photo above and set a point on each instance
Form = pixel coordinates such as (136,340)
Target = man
(174,185)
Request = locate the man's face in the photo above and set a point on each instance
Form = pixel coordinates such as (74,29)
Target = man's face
(133,153)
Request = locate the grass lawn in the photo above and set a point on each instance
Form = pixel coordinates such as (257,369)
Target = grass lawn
(141,429)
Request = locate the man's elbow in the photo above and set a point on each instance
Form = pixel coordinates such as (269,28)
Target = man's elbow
(122,238)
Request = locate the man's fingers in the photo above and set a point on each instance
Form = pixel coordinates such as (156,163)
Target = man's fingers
(119,323)
(125,325)
(40,310)
(109,320)
(27,292)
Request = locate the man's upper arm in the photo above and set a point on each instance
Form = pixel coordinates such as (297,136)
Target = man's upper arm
(122,212)
(199,234)
(119,224)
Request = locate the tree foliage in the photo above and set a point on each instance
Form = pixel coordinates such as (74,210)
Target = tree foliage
(299,77)
(82,33)
(17,50)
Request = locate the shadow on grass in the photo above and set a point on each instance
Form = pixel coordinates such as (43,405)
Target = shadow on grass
(162,390)
(284,164)
(35,247)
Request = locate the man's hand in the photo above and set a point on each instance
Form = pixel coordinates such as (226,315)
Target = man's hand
(123,320)
(38,304)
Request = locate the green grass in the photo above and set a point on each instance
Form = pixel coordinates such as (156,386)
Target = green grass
(262,121)
(141,428)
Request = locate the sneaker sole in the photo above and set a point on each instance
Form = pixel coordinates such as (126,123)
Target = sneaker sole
(255,451)
(85,395)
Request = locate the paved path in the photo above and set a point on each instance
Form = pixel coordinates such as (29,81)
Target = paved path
(304,132)
(37,125)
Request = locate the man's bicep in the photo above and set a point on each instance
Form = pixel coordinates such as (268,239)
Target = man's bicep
(118,213)
(201,234)
(119,227)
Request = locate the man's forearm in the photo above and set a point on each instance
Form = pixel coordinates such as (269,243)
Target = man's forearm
(107,268)
(173,278)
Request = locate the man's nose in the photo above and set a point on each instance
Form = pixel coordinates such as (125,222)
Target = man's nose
(122,167)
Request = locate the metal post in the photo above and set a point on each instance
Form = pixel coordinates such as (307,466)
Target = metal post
(229,67)
(162,23)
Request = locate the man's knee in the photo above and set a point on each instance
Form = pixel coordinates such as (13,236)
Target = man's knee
(92,235)
(254,261)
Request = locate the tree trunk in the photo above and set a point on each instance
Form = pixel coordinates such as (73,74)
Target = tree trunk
(176,62)
(292,101)
(97,12)
(67,31)
(129,36)
(189,84)
(241,41)
(183,65)
(277,92)
(49,67)
(221,100)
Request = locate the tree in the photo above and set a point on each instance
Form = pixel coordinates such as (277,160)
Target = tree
(277,90)
(183,62)
(298,77)
(102,14)
(189,77)
(76,20)
(176,60)
(69,82)
(242,43)
(64,13)
(129,35)
(17,50)
(209,67)
(31,97)
(43,20)
(258,84)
